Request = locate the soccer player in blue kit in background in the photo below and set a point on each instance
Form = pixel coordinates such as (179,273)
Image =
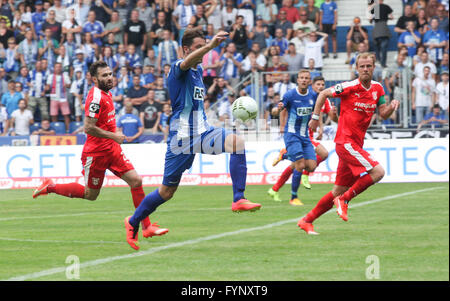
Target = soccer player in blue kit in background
(298,105)
(190,133)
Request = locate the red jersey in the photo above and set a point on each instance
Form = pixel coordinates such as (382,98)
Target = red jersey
(358,105)
(99,105)
(326,108)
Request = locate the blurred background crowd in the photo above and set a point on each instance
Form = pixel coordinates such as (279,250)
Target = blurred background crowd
(46,48)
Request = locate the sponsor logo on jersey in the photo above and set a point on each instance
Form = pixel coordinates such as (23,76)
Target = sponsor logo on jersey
(304,111)
(199,93)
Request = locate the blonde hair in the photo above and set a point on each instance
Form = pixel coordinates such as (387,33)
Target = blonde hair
(303,71)
(365,55)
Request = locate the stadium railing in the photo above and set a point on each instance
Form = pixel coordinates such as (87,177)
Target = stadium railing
(404,118)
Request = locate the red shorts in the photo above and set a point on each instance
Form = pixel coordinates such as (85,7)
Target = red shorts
(95,166)
(315,143)
(55,106)
(353,161)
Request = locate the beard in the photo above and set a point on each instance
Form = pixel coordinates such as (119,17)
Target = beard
(105,85)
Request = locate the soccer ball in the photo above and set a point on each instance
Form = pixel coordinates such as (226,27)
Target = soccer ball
(244,108)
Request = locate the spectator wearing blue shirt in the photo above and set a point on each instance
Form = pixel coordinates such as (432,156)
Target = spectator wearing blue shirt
(163,125)
(79,62)
(94,27)
(38,19)
(435,41)
(130,125)
(25,79)
(132,58)
(435,118)
(231,64)
(11,98)
(280,41)
(410,38)
(443,18)
(328,24)
(147,77)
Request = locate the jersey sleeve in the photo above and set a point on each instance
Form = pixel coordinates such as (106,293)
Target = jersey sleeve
(93,104)
(176,69)
(326,108)
(381,98)
(341,89)
(286,100)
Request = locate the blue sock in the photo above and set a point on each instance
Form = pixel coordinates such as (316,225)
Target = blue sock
(284,156)
(296,177)
(238,172)
(147,206)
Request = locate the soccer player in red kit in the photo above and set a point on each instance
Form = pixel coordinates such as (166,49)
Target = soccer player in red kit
(102,150)
(356,170)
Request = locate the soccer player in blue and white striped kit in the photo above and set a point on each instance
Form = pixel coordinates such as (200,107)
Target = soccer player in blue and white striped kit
(190,133)
(299,104)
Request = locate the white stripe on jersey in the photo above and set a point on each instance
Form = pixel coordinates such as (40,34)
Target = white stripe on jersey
(87,168)
(96,97)
(358,156)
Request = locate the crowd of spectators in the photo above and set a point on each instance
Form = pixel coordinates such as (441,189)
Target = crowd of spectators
(46,48)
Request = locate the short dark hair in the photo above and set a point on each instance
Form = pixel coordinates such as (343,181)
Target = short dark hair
(190,35)
(317,78)
(93,70)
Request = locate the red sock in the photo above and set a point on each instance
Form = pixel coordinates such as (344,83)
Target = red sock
(318,160)
(138,195)
(283,178)
(360,185)
(325,204)
(71,190)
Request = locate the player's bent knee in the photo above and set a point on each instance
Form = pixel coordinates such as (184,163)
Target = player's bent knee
(136,182)
(377,173)
(167,192)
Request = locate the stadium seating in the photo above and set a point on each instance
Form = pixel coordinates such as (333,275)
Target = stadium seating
(74,125)
(34,127)
(59,127)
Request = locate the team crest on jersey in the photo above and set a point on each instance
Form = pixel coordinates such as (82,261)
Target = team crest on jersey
(311,101)
(94,108)
(199,93)
(374,95)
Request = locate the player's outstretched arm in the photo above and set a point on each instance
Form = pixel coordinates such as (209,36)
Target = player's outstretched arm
(314,122)
(193,59)
(90,128)
(387,110)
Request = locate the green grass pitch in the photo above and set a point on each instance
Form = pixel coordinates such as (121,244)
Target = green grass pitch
(406,226)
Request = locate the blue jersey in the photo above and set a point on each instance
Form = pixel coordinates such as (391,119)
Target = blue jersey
(187,91)
(328,12)
(299,108)
(130,124)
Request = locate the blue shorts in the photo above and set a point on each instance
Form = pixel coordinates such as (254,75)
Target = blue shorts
(299,147)
(181,153)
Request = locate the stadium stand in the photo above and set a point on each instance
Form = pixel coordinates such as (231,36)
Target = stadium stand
(68,30)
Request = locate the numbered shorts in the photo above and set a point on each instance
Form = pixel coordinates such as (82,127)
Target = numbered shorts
(299,147)
(353,161)
(181,152)
(95,166)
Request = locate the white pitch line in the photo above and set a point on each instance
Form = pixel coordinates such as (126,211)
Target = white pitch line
(195,241)
(114,212)
(61,241)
